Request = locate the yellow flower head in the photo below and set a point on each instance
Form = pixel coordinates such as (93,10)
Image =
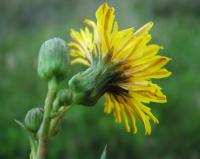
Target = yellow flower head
(132,61)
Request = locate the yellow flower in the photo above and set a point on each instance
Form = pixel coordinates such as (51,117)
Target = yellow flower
(136,61)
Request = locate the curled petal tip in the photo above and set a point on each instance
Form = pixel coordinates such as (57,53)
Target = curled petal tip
(150,23)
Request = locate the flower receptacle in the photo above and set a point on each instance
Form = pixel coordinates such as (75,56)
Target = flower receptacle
(88,86)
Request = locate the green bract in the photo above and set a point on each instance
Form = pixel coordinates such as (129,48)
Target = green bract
(88,86)
(33,119)
(82,86)
(53,59)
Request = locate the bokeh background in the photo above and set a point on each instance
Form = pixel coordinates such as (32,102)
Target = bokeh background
(25,24)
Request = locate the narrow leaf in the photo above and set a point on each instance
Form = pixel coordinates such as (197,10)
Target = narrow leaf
(20,124)
(103,155)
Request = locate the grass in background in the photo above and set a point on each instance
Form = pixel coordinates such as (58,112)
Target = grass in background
(86,131)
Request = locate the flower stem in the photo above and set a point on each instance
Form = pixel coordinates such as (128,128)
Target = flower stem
(44,129)
(33,144)
(55,123)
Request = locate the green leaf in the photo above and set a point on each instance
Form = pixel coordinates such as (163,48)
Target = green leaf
(103,155)
(20,124)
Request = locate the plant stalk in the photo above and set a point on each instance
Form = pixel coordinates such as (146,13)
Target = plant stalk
(44,129)
(33,144)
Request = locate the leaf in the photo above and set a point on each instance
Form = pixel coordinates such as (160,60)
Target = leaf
(103,155)
(23,127)
(20,124)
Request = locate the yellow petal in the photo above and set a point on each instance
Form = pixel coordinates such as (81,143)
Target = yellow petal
(125,119)
(148,66)
(108,105)
(144,29)
(80,61)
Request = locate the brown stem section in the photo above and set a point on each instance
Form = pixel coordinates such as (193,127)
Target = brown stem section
(42,149)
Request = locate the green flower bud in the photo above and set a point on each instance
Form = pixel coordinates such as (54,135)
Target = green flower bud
(88,86)
(33,119)
(53,60)
(63,98)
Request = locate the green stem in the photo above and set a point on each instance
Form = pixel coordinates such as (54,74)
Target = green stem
(33,144)
(44,129)
(55,122)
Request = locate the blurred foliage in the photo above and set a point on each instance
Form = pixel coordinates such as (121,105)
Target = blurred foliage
(24,25)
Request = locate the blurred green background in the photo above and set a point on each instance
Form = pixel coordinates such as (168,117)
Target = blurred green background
(25,24)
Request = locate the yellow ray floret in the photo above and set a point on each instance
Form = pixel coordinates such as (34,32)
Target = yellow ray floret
(139,63)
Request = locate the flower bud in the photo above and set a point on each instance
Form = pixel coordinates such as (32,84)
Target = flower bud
(63,98)
(53,60)
(33,119)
